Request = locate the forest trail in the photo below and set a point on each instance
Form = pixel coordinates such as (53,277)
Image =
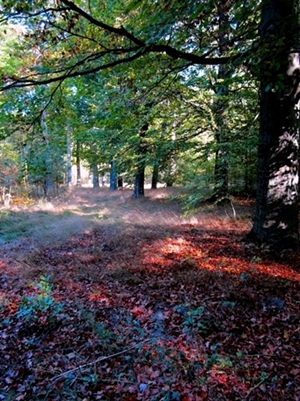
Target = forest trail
(43,224)
(125,222)
(46,223)
(180,307)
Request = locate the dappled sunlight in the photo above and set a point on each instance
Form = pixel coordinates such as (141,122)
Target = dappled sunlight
(213,252)
(194,308)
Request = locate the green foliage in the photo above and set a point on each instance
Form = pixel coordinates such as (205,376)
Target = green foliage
(10,49)
(104,109)
(220,361)
(9,167)
(106,337)
(192,318)
(40,307)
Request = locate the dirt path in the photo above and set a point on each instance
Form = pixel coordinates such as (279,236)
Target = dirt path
(132,301)
(52,223)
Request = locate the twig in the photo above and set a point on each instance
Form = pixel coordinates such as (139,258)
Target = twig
(100,359)
(233,210)
(255,387)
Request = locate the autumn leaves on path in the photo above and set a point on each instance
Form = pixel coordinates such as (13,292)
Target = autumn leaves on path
(138,303)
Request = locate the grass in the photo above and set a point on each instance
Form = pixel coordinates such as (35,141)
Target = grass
(177,305)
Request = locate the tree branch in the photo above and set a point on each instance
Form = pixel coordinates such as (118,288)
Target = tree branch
(159,48)
(140,49)
(100,359)
(27,81)
(118,31)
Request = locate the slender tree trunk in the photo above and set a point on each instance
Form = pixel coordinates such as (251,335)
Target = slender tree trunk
(246,174)
(139,180)
(78,168)
(48,178)
(69,159)
(24,163)
(102,180)
(155,173)
(276,215)
(113,184)
(120,182)
(96,182)
(171,163)
(170,172)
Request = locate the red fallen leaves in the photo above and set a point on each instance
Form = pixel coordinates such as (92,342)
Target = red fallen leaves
(222,320)
(138,311)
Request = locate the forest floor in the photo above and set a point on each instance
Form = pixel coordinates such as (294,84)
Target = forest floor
(108,297)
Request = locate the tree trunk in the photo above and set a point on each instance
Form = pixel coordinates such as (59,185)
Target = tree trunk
(220,109)
(139,179)
(69,156)
(221,168)
(276,215)
(170,171)
(113,176)
(78,164)
(48,178)
(120,182)
(96,183)
(155,173)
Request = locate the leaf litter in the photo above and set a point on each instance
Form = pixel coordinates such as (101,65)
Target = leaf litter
(147,305)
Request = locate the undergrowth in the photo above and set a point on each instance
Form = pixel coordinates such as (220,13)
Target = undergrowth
(147,306)
(40,306)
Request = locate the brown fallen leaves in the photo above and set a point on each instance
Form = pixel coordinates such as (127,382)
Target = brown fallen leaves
(173,312)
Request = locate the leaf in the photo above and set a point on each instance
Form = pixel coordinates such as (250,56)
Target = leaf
(133,5)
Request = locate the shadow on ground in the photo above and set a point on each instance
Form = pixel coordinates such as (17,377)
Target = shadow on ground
(154,306)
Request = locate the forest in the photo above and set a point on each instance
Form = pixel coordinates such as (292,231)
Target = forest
(149,224)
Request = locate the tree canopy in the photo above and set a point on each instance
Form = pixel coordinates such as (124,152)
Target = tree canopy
(189,71)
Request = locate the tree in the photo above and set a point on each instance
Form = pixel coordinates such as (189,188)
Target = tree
(186,34)
(139,178)
(276,217)
(9,170)
(221,108)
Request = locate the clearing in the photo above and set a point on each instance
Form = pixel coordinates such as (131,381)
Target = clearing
(108,297)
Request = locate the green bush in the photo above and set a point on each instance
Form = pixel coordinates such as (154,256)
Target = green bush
(40,306)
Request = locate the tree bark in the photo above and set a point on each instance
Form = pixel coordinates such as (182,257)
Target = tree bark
(120,182)
(113,185)
(155,174)
(139,179)
(96,183)
(69,156)
(48,178)
(276,215)
(78,168)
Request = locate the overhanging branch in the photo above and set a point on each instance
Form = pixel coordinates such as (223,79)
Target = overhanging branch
(140,49)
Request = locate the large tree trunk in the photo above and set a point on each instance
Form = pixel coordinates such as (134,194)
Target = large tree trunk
(276,215)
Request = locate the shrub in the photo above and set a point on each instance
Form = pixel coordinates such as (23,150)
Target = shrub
(40,306)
